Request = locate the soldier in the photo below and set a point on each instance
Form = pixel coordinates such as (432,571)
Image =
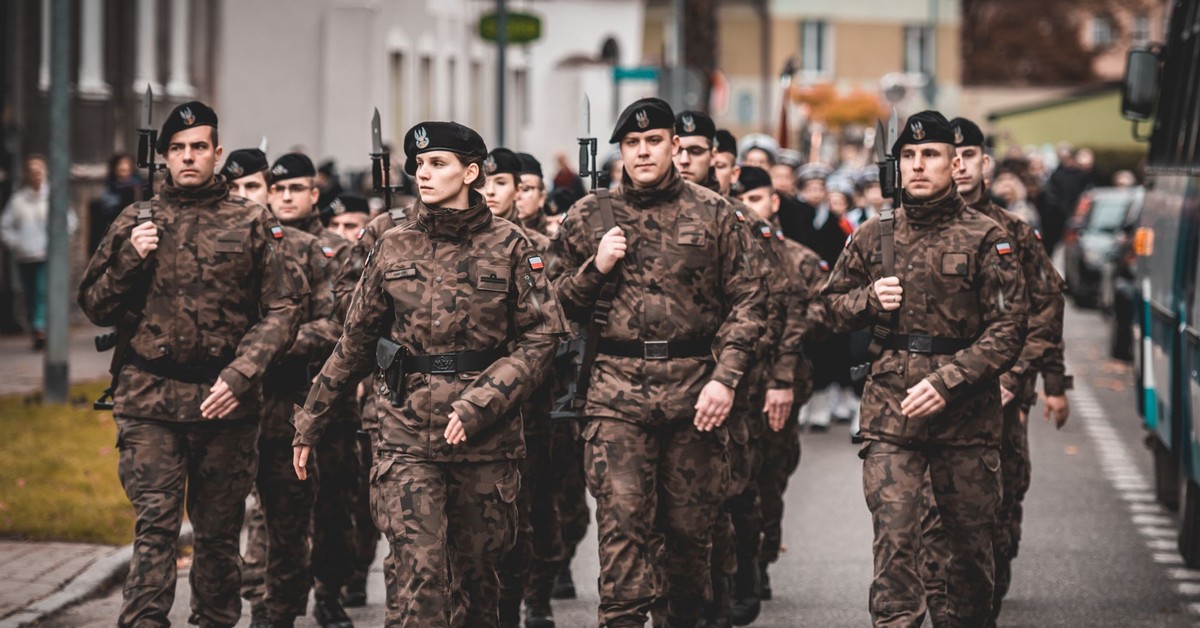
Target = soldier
(349,213)
(944,291)
(685,316)
(453,307)
(531,197)
(294,195)
(724,162)
(1043,351)
(196,277)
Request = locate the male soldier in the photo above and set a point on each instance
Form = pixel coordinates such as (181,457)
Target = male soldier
(673,337)
(294,195)
(531,197)
(1043,351)
(348,214)
(941,285)
(724,162)
(789,385)
(196,278)
(277,578)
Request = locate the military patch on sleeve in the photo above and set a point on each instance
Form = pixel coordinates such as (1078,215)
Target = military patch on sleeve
(535,263)
(779,235)
(327,251)
(1037,233)
(1004,248)
(824,265)
(362,232)
(277,232)
(740,216)
(765,231)
(848,239)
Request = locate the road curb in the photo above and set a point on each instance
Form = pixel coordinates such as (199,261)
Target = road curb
(97,578)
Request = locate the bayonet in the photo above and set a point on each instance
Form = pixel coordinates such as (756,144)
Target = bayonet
(147,141)
(587,144)
(262,145)
(381,163)
(889,164)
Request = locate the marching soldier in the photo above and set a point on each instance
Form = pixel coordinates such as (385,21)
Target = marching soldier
(348,214)
(674,333)
(949,277)
(531,197)
(454,309)
(198,278)
(725,168)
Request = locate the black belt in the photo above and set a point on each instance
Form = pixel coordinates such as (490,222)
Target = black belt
(921,343)
(186,373)
(655,349)
(450,363)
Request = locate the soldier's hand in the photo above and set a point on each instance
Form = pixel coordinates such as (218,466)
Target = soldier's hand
(779,402)
(300,455)
(455,432)
(1006,396)
(611,250)
(889,293)
(220,401)
(923,400)
(716,399)
(1057,408)
(144,238)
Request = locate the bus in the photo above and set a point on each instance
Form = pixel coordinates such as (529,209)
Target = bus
(1161,92)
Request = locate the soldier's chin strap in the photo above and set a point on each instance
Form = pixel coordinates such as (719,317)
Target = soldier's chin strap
(604,305)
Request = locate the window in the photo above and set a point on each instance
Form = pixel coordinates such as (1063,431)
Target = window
(425,89)
(816,56)
(918,50)
(1102,32)
(1177,121)
(1141,31)
(400,92)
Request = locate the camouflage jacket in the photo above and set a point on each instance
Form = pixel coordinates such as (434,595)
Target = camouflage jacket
(541,224)
(806,310)
(219,296)
(783,345)
(687,275)
(447,282)
(961,280)
(1043,350)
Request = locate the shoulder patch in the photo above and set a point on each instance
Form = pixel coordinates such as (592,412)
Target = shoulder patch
(1004,248)
(362,232)
(740,216)
(535,263)
(779,235)
(824,265)
(328,251)
(1037,233)
(277,232)
(848,239)
(765,231)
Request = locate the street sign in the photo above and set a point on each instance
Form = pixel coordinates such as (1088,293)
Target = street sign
(522,27)
(636,72)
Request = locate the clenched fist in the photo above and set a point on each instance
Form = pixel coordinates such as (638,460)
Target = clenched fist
(612,250)
(889,293)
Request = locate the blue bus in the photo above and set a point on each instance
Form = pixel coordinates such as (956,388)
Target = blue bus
(1162,84)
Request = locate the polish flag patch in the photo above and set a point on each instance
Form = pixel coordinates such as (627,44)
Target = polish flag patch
(824,265)
(277,232)
(327,251)
(1004,248)
(362,232)
(765,230)
(535,263)
(740,216)
(848,239)
(779,235)
(1037,234)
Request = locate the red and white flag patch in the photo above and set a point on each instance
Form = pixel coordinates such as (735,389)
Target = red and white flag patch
(535,263)
(824,265)
(765,231)
(277,232)
(327,251)
(1004,248)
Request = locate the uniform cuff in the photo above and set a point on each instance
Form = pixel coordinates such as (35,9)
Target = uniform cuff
(238,383)
(303,422)
(1056,384)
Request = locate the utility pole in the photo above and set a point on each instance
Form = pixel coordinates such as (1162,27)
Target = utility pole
(678,79)
(54,372)
(501,67)
(930,90)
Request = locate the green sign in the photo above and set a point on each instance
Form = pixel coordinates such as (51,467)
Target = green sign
(636,72)
(522,27)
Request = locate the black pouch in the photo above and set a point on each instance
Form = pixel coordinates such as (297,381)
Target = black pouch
(389,357)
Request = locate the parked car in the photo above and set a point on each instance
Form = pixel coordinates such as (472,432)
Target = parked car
(1091,239)
(1118,285)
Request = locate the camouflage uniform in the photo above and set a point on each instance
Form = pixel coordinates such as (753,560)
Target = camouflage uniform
(219,301)
(1043,344)
(448,281)
(687,276)
(963,286)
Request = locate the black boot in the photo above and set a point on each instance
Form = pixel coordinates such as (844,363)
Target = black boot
(538,615)
(564,585)
(764,584)
(510,613)
(354,595)
(746,590)
(329,613)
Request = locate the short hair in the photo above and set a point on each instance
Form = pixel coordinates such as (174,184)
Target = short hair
(477,184)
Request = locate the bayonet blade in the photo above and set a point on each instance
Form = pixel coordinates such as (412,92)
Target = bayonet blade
(585,118)
(376,134)
(893,130)
(880,141)
(147,101)
(262,145)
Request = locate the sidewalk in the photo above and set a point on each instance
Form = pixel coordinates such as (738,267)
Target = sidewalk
(21,366)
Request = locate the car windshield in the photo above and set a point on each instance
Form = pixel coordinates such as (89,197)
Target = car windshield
(1108,212)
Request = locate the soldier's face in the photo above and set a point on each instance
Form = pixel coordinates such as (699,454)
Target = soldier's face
(972,164)
(191,156)
(725,170)
(500,191)
(443,180)
(764,202)
(926,170)
(694,158)
(348,224)
(647,156)
(251,187)
(531,196)
(293,199)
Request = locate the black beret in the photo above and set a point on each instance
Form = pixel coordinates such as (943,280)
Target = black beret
(244,162)
(349,203)
(752,178)
(502,161)
(695,123)
(966,133)
(530,164)
(643,115)
(726,143)
(291,166)
(448,136)
(185,116)
(328,168)
(927,127)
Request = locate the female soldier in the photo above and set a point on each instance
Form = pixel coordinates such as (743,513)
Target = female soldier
(455,309)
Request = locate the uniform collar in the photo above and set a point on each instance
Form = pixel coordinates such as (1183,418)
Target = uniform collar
(454,224)
(666,190)
(312,224)
(215,191)
(936,211)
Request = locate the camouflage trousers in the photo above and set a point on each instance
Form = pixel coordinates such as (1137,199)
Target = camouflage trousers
(448,525)
(965,483)
(1015,478)
(633,471)
(529,570)
(781,458)
(333,535)
(366,535)
(570,486)
(207,468)
(276,566)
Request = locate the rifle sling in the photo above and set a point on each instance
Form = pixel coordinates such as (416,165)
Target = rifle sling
(887,319)
(604,304)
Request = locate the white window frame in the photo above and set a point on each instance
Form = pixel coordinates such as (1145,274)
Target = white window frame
(823,49)
(920,48)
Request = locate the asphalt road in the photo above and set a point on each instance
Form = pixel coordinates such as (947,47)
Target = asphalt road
(1096,551)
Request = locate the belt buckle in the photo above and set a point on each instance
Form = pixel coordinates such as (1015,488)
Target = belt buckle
(920,343)
(444,364)
(656,350)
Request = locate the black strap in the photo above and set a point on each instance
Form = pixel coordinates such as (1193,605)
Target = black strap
(604,305)
(451,363)
(887,319)
(921,343)
(186,373)
(656,349)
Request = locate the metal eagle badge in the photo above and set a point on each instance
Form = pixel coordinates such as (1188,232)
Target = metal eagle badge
(422,137)
(188,117)
(689,124)
(918,131)
(643,119)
